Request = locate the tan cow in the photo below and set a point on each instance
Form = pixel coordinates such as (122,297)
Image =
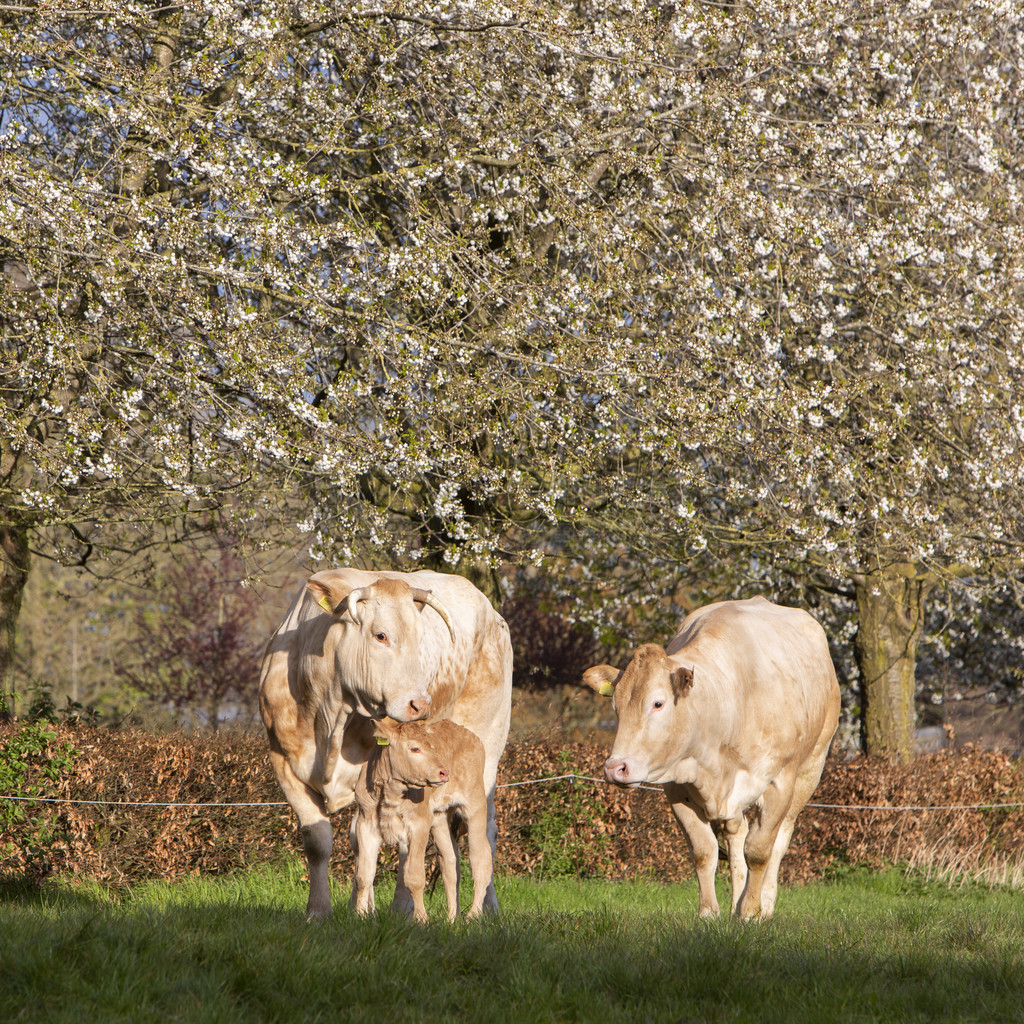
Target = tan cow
(736,713)
(423,779)
(360,645)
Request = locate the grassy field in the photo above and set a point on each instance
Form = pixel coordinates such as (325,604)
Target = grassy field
(866,947)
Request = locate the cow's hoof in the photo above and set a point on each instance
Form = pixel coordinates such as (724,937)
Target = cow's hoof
(754,917)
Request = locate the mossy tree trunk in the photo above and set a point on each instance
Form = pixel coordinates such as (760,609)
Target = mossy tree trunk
(890,618)
(14,565)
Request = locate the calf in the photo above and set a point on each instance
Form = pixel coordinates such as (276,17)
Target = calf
(423,778)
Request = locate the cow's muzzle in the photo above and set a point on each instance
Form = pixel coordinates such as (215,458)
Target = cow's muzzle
(619,771)
(415,709)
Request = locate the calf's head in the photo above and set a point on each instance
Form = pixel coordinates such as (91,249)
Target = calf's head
(378,649)
(411,754)
(648,696)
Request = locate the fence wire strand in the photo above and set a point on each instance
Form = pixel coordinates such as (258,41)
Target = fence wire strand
(505,785)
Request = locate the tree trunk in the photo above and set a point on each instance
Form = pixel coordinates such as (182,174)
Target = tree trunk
(138,162)
(474,569)
(483,577)
(14,563)
(890,616)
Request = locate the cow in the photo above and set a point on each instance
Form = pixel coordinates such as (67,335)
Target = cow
(736,713)
(357,646)
(422,779)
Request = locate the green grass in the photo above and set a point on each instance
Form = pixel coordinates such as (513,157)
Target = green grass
(864,948)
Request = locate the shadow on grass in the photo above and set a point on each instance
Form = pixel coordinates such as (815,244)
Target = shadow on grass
(29,891)
(243,956)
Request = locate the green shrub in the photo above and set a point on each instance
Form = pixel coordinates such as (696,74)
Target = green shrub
(31,760)
(566,821)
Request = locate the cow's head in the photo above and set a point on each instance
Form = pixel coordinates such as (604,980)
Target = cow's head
(410,755)
(648,696)
(377,652)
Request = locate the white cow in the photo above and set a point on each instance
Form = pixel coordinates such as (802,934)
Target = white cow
(736,713)
(357,646)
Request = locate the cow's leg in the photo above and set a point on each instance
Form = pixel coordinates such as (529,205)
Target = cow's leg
(490,672)
(317,843)
(481,860)
(703,847)
(806,783)
(446,851)
(317,834)
(455,831)
(490,897)
(412,872)
(770,886)
(735,830)
(760,844)
(366,843)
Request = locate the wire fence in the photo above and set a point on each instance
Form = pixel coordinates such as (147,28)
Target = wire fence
(907,808)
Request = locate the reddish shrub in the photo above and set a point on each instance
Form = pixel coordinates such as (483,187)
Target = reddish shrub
(571,826)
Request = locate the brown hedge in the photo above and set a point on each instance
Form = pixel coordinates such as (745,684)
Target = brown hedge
(568,826)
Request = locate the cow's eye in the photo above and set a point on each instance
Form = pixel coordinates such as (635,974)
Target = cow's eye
(381,637)
(414,750)
(658,704)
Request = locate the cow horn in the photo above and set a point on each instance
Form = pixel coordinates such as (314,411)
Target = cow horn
(427,598)
(350,600)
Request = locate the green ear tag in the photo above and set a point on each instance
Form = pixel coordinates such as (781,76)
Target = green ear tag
(382,741)
(606,689)
(325,604)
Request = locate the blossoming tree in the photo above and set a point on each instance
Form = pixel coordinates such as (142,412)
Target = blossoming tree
(683,278)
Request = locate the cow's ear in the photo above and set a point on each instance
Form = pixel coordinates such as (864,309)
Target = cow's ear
(602,679)
(682,681)
(323,595)
(335,603)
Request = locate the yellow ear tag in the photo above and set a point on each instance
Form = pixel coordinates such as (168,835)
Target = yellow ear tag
(606,689)
(382,741)
(325,604)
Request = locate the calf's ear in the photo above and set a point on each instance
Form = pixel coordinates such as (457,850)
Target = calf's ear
(682,681)
(602,679)
(383,731)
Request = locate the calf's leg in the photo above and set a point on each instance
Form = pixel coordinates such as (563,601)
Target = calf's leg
(366,843)
(449,857)
(412,873)
(403,902)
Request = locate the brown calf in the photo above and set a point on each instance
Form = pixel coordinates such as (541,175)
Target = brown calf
(422,779)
